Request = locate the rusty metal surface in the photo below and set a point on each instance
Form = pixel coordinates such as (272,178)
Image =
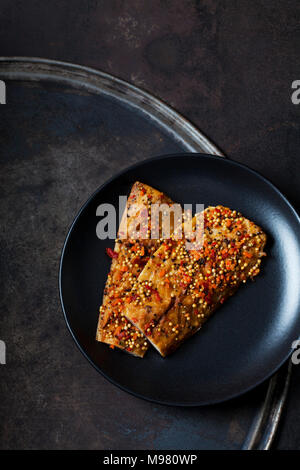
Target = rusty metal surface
(61,137)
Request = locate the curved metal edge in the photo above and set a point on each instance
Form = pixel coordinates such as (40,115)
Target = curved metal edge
(103,83)
(264,427)
(265,424)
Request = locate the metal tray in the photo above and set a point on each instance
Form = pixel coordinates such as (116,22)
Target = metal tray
(58,114)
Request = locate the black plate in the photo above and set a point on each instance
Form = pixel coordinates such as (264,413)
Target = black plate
(246,340)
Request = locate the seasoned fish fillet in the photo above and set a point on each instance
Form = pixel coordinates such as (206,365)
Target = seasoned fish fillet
(128,259)
(179,289)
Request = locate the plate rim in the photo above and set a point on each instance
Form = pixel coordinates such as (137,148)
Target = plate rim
(136,165)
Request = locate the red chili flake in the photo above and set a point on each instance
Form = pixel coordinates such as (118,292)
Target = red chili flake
(111,253)
(167,243)
(148,326)
(205,285)
(137,260)
(154,292)
(118,330)
(186,279)
(157,296)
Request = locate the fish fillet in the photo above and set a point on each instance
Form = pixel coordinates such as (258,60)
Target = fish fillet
(129,257)
(179,289)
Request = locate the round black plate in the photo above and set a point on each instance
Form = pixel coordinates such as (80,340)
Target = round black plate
(246,340)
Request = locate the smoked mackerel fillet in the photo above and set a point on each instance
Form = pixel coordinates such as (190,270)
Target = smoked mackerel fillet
(129,257)
(180,288)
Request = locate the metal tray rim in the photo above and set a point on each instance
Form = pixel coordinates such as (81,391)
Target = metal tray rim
(263,430)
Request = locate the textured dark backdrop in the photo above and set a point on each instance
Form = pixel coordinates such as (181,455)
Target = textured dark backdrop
(226,65)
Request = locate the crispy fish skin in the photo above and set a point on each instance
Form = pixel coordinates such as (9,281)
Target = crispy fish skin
(179,289)
(128,259)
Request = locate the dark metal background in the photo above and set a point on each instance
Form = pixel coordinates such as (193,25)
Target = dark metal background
(65,130)
(226,65)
